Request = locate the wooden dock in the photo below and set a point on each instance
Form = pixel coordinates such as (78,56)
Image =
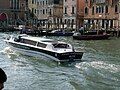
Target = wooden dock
(113,33)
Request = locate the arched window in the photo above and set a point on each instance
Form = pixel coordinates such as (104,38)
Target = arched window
(116,8)
(106,9)
(97,9)
(86,10)
(93,10)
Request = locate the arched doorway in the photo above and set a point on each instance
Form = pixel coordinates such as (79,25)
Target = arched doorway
(3,16)
(3,19)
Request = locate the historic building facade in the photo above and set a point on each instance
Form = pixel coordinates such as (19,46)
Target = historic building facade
(18,9)
(15,11)
(73,13)
(32,12)
(4,12)
(80,13)
(50,13)
(101,14)
(4,6)
(69,13)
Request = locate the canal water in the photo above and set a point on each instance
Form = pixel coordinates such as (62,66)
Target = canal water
(99,68)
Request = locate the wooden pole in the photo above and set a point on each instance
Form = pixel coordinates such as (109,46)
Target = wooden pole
(118,19)
(118,29)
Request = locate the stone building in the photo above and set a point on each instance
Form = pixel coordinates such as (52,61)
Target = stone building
(18,10)
(49,13)
(32,12)
(101,14)
(69,13)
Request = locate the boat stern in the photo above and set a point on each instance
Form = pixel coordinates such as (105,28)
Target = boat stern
(69,56)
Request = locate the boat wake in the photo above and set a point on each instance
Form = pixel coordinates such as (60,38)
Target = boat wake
(98,65)
(105,72)
(7,51)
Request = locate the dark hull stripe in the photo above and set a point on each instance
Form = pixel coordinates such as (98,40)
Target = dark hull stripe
(62,56)
(91,37)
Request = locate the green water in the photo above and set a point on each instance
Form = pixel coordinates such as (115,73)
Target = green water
(98,70)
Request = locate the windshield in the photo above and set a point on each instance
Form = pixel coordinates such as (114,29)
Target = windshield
(60,45)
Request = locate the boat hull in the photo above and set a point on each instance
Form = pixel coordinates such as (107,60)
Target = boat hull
(91,37)
(60,34)
(41,33)
(32,51)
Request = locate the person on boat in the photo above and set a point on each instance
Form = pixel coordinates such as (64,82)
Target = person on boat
(3,78)
(23,30)
(81,30)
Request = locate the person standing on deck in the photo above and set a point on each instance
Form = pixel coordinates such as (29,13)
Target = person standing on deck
(81,30)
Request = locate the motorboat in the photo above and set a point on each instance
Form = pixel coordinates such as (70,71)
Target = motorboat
(39,46)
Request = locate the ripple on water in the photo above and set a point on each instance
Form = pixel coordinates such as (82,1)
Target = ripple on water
(100,73)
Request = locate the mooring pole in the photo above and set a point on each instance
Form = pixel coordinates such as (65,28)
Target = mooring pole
(118,18)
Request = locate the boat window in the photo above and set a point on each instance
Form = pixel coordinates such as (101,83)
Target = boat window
(41,45)
(48,41)
(28,42)
(60,45)
(16,39)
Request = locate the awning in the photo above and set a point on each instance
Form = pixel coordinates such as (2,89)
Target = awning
(3,16)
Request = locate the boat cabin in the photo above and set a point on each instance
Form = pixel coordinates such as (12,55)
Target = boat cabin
(35,41)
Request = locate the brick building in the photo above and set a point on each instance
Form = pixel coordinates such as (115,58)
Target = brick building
(4,9)
(15,11)
(80,13)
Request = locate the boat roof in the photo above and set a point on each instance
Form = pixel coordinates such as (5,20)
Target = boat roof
(41,39)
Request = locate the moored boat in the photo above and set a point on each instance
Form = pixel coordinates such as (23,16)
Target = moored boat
(36,46)
(59,33)
(91,37)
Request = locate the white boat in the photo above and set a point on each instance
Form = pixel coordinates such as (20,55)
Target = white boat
(36,46)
